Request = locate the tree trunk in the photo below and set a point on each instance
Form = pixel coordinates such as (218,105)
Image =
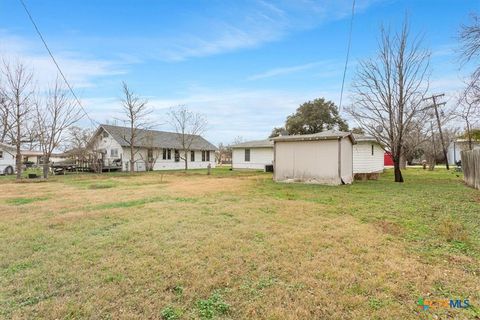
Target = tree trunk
(18,163)
(132,159)
(186,159)
(46,161)
(403,162)
(18,160)
(397,170)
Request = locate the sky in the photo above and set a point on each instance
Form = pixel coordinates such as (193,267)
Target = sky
(245,65)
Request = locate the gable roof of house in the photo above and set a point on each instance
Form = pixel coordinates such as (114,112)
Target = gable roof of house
(324,135)
(267,143)
(155,138)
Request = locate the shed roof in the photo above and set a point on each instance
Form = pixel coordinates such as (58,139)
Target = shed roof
(155,138)
(267,143)
(324,135)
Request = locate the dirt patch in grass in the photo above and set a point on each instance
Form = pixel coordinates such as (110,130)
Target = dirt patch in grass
(389,227)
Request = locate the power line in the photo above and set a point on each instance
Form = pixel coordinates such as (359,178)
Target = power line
(348,55)
(56,63)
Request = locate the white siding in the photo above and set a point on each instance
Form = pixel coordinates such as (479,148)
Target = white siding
(259,158)
(455,148)
(167,164)
(364,161)
(313,161)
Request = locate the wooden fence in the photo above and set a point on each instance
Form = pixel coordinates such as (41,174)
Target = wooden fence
(471,167)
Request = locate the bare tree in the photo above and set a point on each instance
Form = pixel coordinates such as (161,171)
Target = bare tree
(136,113)
(153,151)
(54,116)
(188,125)
(388,91)
(470,46)
(468,110)
(5,117)
(17,94)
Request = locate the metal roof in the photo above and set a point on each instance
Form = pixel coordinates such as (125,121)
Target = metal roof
(324,135)
(255,144)
(156,139)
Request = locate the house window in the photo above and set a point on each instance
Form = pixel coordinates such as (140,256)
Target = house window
(105,134)
(177,155)
(169,154)
(164,157)
(150,154)
(1,154)
(113,153)
(247,155)
(208,155)
(372,149)
(192,156)
(203,155)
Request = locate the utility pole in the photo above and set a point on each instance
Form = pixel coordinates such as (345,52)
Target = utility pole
(435,107)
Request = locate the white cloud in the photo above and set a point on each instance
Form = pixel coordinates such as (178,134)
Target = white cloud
(232,112)
(285,70)
(81,71)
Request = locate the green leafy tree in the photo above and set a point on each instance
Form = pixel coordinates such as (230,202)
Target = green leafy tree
(315,116)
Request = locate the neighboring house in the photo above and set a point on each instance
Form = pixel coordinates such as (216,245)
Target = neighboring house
(456,147)
(35,158)
(252,155)
(7,159)
(368,155)
(324,158)
(158,150)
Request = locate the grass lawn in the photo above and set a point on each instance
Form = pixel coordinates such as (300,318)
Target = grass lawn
(235,245)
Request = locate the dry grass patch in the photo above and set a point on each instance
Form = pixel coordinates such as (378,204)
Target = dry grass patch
(224,246)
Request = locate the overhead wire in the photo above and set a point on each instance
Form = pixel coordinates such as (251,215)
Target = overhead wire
(22,2)
(347,56)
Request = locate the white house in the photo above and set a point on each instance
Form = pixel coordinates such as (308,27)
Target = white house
(323,158)
(154,149)
(7,159)
(456,147)
(368,155)
(252,155)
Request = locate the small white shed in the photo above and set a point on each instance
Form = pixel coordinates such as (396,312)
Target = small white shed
(252,155)
(7,159)
(323,158)
(368,155)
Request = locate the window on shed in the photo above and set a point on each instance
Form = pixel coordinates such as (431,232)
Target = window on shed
(113,153)
(164,156)
(208,155)
(373,148)
(1,154)
(247,155)
(177,155)
(203,155)
(192,156)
